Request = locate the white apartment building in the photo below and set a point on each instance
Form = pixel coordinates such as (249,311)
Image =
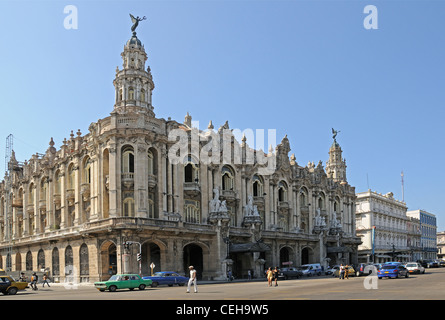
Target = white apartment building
(381,223)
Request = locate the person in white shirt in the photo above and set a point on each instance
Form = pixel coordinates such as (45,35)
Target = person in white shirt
(193,280)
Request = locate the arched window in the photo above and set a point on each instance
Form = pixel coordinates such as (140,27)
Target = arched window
(150,160)
(58,184)
(71,177)
(43,185)
(41,259)
(191,170)
(128,160)
(130,93)
(84,263)
(143,95)
(128,207)
(257,186)
(55,270)
(29,261)
(151,208)
(31,194)
(303,197)
(228,178)
(282,191)
(86,174)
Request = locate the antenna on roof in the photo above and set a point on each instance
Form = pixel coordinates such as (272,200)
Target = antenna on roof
(403,189)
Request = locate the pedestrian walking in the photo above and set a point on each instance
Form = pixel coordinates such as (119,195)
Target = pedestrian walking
(342,272)
(347,272)
(34,279)
(45,280)
(192,280)
(249,275)
(269,276)
(275,275)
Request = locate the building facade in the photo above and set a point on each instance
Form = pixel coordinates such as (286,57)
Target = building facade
(382,225)
(128,186)
(428,228)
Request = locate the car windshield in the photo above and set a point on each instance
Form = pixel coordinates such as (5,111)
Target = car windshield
(411,265)
(114,278)
(305,267)
(158,274)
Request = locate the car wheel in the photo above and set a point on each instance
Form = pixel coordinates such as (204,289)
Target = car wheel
(131,289)
(181,284)
(102,290)
(112,288)
(142,286)
(406,275)
(12,290)
(154,284)
(170,285)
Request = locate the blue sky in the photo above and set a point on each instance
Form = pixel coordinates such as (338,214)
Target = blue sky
(299,67)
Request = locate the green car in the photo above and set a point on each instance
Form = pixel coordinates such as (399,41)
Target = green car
(123,281)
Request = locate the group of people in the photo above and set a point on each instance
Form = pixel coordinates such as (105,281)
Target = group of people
(344,273)
(272,276)
(34,280)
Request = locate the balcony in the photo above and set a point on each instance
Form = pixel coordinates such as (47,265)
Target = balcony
(152,180)
(191,186)
(70,196)
(85,191)
(128,180)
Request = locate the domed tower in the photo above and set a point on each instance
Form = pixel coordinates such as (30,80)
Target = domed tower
(133,83)
(336,165)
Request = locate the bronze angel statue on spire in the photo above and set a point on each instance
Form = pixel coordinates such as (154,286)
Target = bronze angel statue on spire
(136,21)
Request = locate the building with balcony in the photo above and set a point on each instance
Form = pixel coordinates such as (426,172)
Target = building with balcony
(381,223)
(128,186)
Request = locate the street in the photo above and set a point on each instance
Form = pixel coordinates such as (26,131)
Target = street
(428,286)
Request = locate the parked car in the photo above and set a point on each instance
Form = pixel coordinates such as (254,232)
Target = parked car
(291,272)
(123,281)
(392,271)
(311,269)
(441,263)
(350,270)
(414,267)
(9,286)
(331,270)
(364,269)
(429,263)
(166,278)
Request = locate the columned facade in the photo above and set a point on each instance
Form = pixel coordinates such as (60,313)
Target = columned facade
(72,209)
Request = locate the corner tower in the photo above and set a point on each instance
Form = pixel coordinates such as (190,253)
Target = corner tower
(336,165)
(133,83)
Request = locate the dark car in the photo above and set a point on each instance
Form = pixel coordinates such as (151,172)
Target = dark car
(167,278)
(288,273)
(429,263)
(365,269)
(392,271)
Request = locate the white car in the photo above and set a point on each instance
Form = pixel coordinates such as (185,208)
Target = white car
(414,267)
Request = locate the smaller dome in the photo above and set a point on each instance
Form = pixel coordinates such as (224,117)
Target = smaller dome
(134,40)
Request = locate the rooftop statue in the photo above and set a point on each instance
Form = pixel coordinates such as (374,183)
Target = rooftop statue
(136,21)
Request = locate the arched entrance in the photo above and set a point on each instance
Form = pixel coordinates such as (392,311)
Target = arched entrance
(193,257)
(151,253)
(306,255)
(108,257)
(286,257)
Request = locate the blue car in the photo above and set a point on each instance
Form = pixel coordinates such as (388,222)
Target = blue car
(167,278)
(392,271)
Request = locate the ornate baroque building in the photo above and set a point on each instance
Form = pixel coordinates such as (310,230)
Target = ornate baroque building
(74,211)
